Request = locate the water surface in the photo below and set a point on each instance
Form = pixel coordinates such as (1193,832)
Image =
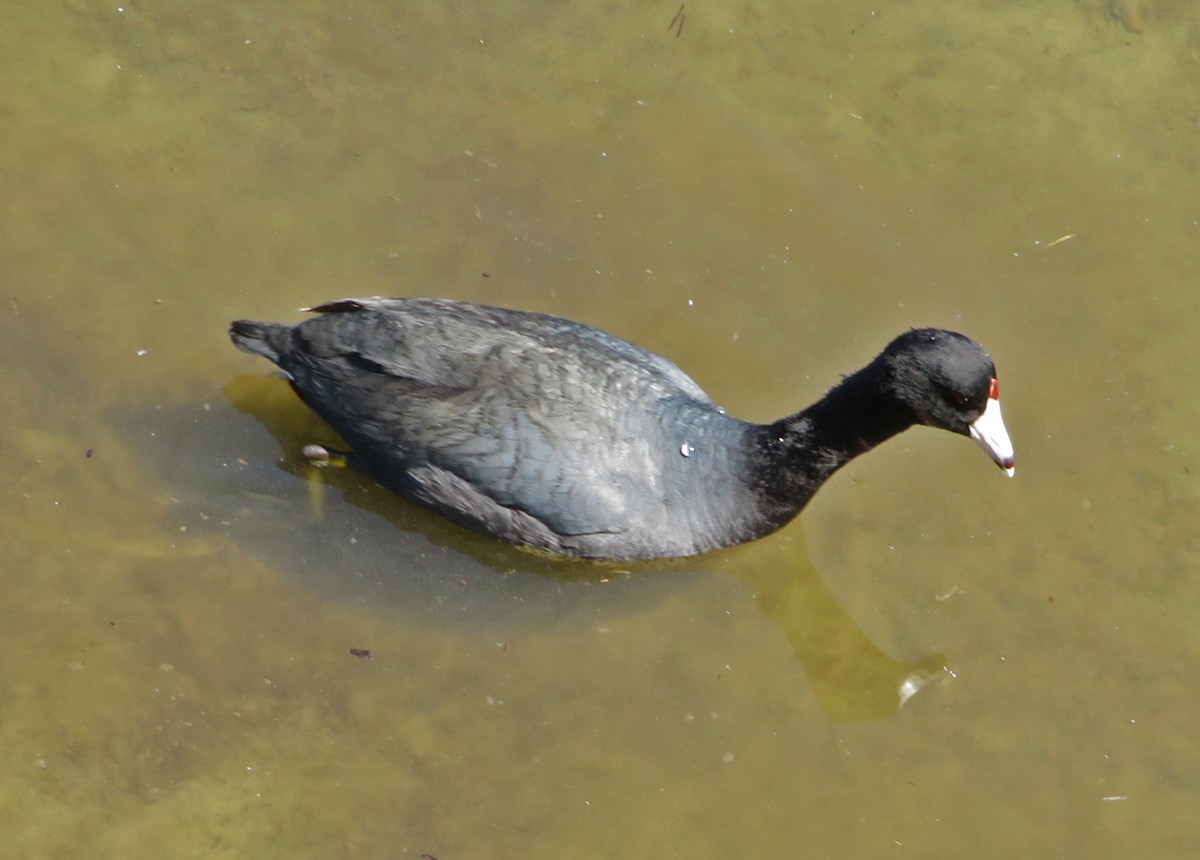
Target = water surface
(766,197)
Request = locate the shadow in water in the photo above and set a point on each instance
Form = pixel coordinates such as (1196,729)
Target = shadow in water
(851,678)
(342,534)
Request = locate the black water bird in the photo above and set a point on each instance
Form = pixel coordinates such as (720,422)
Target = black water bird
(556,436)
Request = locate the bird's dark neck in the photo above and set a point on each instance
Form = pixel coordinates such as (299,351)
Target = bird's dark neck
(801,451)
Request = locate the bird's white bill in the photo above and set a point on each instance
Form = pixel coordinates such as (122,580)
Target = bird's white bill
(988,431)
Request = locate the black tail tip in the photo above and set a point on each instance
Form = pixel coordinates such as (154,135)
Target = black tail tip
(257,338)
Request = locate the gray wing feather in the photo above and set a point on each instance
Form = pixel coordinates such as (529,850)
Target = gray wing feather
(504,407)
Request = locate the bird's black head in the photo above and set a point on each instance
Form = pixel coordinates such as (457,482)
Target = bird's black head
(948,381)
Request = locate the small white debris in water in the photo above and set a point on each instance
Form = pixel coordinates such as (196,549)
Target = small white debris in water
(908,688)
(143,352)
(686,449)
(316,455)
(918,681)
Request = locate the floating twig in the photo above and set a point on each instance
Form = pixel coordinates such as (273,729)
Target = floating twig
(680,18)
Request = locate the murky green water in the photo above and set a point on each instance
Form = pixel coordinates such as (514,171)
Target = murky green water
(766,198)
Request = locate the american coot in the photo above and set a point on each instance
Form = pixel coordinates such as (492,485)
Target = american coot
(554,435)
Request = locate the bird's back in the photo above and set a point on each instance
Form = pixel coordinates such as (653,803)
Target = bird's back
(464,406)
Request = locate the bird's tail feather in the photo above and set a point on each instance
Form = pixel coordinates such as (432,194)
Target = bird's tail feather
(258,338)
